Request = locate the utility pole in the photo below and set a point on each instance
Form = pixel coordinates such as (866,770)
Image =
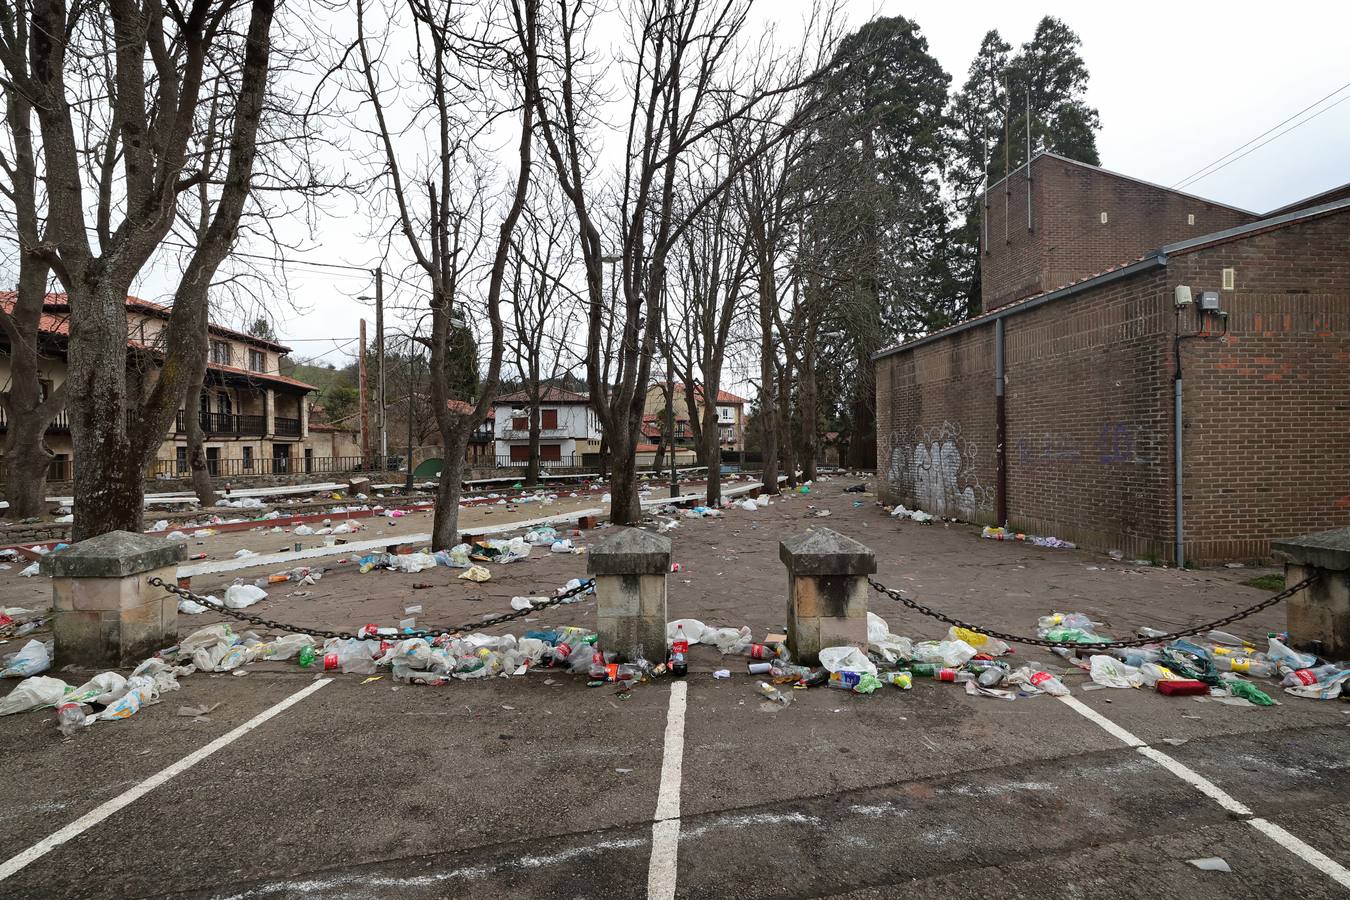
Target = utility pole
(363,388)
(379,365)
(412,381)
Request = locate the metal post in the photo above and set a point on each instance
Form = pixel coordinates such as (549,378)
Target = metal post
(1000,429)
(379,365)
(1177,440)
(364,385)
(670,417)
(412,383)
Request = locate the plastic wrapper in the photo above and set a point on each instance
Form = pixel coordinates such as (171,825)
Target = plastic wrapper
(846,659)
(1111,672)
(951,654)
(242,596)
(33,658)
(33,693)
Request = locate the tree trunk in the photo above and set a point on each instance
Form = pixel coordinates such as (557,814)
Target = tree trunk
(532,466)
(712,451)
(788,445)
(625,507)
(445,528)
(196,452)
(768,400)
(27,460)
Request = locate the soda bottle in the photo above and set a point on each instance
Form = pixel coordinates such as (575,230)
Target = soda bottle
(992,677)
(761,651)
(679,653)
(307,657)
(69,718)
(1262,668)
(924,670)
(597,669)
(1300,677)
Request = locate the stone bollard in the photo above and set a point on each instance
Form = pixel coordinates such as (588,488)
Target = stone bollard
(1319,615)
(358,484)
(827,592)
(106,612)
(629,567)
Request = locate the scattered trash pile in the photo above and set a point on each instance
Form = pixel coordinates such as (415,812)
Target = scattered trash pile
(1003,534)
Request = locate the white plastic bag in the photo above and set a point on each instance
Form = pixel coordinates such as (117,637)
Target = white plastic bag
(748,505)
(190,607)
(412,563)
(285,647)
(892,648)
(945,653)
(102,689)
(32,693)
(415,653)
(725,639)
(303,530)
(1111,672)
(141,692)
(240,596)
(694,630)
(846,659)
(33,659)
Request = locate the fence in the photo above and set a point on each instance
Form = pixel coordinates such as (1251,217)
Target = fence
(571,461)
(161,469)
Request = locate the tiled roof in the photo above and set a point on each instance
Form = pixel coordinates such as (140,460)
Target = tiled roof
(551,395)
(725,397)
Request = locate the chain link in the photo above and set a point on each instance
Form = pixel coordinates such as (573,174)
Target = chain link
(1285,594)
(429,633)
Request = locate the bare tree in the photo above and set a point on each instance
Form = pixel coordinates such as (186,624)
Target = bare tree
(439,208)
(137,122)
(27,411)
(684,59)
(540,311)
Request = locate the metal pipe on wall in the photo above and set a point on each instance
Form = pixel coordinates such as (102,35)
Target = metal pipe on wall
(1179,551)
(1000,429)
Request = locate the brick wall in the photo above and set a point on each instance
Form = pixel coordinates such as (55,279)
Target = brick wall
(935,426)
(1089,406)
(1068,240)
(1267,408)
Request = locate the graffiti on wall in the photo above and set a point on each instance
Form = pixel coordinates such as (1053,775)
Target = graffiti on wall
(1116,442)
(939,469)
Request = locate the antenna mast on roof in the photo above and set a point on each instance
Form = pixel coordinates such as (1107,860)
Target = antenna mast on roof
(1028,95)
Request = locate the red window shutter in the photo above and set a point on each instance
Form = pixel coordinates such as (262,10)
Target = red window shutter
(550,418)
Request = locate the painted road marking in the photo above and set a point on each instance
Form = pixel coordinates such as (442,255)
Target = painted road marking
(103,811)
(1304,851)
(666,828)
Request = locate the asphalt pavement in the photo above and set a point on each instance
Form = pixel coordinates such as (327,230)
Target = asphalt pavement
(299,785)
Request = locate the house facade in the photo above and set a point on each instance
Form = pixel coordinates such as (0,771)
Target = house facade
(730,415)
(1185,401)
(569,429)
(255,420)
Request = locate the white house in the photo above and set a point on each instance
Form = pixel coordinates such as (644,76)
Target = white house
(568,428)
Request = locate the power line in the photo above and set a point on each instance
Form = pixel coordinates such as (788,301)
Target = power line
(1192,177)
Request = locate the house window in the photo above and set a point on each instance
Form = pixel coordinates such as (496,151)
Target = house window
(248,459)
(257,361)
(520,452)
(220,353)
(519,423)
(549,418)
(550,451)
(180,459)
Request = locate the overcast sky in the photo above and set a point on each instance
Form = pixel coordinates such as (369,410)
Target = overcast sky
(1177,85)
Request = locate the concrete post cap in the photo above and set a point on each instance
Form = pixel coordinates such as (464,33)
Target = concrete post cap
(824,551)
(1328,550)
(629,551)
(115,554)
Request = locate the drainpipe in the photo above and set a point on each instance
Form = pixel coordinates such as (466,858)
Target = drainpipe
(1000,429)
(1179,552)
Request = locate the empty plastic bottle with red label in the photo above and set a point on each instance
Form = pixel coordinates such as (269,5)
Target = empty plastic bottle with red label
(679,653)
(1048,683)
(1300,677)
(69,718)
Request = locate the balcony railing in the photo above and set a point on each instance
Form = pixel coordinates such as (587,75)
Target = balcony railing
(286,427)
(570,461)
(225,423)
(59,424)
(523,434)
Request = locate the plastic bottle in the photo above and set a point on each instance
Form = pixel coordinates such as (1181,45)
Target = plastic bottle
(1261,668)
(679,653)
(1048,683)
(951,675)
(992,677)
(1231,640)
(903,680)
(69,718)
(763,651)
(782,669)
(597,669)
(1150,632)
(1301,677)
(1134,656)
(306,657)
(924,670)
(1284,655)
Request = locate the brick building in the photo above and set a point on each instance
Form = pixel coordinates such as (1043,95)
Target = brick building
(1054,411)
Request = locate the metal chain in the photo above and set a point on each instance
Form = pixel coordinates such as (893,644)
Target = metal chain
(429,633)
(1133,642)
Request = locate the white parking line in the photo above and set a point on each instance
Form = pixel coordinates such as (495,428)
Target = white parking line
(103,811)
(666,829)
(1306,852)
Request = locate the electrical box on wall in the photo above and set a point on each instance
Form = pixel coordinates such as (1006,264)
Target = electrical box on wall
(1209,301)
(1182,296)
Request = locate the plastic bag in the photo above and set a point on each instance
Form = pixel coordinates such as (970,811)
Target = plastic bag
(33,659)
(32,693)
(562,546)
(694,630)
(1280,652)
(240,596)
(476,573)
(892,648)
(102,689)
(141,692)
(285,647)
(302,530)
(724,639)
(947,653)
(209,636)
(1111,672)
(190,607)
(412,563)
(748,505)
(847,659)
(414,653)
(1329,689)
(983,643)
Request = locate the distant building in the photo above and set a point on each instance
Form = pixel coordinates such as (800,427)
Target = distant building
(256,420)
(569,429)
(1097,290)
(730,416)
